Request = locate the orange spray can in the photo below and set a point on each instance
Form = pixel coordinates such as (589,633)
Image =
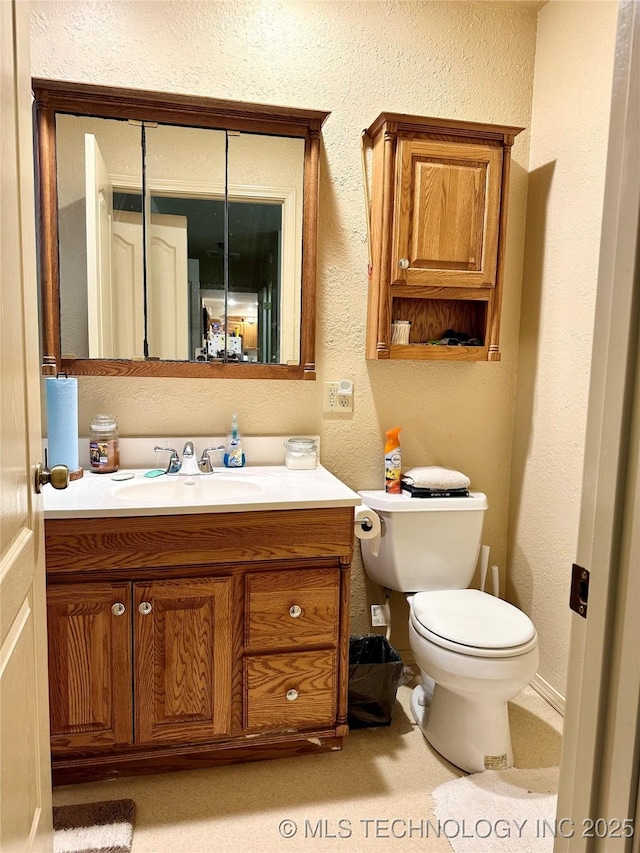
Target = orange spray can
(392,462)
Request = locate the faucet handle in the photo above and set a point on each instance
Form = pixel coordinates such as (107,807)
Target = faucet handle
(205,460)
(174,460)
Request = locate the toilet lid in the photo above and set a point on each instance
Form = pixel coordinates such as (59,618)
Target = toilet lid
(469,617)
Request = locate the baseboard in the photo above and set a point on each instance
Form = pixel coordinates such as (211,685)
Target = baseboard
(555,699)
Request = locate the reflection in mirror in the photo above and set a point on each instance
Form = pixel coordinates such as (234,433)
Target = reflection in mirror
(176,234)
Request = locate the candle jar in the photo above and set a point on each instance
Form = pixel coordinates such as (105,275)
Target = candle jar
(104,452)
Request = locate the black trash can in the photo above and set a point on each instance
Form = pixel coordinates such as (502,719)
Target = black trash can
(375,673)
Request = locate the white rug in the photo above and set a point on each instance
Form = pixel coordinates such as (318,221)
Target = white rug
(499,811)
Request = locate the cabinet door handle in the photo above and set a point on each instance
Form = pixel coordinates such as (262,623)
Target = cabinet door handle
(404,263)
(295,610)
(145,608)
(118,608)
(292,694)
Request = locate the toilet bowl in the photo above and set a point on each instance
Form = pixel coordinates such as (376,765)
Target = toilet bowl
(484,654)
(475,652)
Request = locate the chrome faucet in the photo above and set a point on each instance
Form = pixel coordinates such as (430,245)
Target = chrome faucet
(189,466)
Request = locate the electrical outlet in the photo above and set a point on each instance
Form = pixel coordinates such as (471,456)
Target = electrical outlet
(379,615)
(330,398)
(338,396)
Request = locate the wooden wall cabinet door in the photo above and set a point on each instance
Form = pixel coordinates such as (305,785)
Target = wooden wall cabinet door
(183,660)
(446,213)
(89,635)
(438,227)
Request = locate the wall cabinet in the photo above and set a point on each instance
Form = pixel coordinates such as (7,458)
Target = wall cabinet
(172,647)
(438,225)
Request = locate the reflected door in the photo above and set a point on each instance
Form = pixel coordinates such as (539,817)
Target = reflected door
(167,289)
(103,329)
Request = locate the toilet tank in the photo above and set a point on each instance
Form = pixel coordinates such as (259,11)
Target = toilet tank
(425,543)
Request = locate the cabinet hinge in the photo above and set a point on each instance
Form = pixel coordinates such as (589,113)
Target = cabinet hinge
(579,597)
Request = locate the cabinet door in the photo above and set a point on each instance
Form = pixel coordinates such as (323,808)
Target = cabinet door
(182,641)
(89,634)
(249,335)
(446,213)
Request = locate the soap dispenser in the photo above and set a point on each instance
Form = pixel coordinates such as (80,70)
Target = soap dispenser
(234,457)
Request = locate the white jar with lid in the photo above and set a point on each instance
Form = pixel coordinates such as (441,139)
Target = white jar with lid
(302,453)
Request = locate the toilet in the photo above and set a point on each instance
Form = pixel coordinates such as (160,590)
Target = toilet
(476,652)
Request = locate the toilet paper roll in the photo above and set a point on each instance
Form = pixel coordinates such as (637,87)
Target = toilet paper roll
(367,526)
(62,422)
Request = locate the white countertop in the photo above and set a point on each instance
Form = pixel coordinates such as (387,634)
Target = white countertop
(251,488)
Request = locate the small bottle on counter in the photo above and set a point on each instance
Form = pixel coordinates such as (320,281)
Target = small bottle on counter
(104,452)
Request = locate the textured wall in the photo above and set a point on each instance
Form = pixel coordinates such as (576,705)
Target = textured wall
(571,103)
(471,61)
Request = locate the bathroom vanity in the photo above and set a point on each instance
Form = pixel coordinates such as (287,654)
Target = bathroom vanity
(201,624)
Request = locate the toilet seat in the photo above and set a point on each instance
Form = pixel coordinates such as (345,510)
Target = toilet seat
(472,622)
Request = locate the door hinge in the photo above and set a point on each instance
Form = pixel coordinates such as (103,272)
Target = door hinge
(579,597)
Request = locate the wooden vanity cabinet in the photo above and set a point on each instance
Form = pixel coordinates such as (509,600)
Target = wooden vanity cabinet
(184,641)
(438,221)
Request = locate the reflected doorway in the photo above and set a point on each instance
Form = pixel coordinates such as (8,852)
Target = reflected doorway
(236,323)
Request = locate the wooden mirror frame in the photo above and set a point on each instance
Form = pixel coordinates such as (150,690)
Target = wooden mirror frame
(54,96)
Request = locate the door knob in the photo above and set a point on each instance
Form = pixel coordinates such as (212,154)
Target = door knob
(118,608)
(145,608)
(404,263)
(58,476)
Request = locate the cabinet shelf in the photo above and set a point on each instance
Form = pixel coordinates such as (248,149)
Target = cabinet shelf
(438,352)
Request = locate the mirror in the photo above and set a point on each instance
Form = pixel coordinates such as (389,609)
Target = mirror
(177,234)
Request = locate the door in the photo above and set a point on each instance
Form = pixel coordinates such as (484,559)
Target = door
(168,288)
(25,774)
(446,213)
(90,691)
(167,295)
(599,772)
(99,217)
(182,641)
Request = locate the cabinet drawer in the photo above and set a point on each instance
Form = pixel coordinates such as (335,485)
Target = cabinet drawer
(292,608)
(290,690)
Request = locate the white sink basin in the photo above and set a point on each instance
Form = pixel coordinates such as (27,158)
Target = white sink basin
(177,490)
(265,487)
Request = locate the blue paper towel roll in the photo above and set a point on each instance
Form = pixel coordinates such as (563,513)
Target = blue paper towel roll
(62,422)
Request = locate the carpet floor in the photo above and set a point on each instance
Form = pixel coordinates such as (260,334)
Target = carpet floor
(374,795)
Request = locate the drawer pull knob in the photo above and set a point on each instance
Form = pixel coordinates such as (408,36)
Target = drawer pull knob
(145,608)
(295,610)
(118,608)
(404,263)
(292,695)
